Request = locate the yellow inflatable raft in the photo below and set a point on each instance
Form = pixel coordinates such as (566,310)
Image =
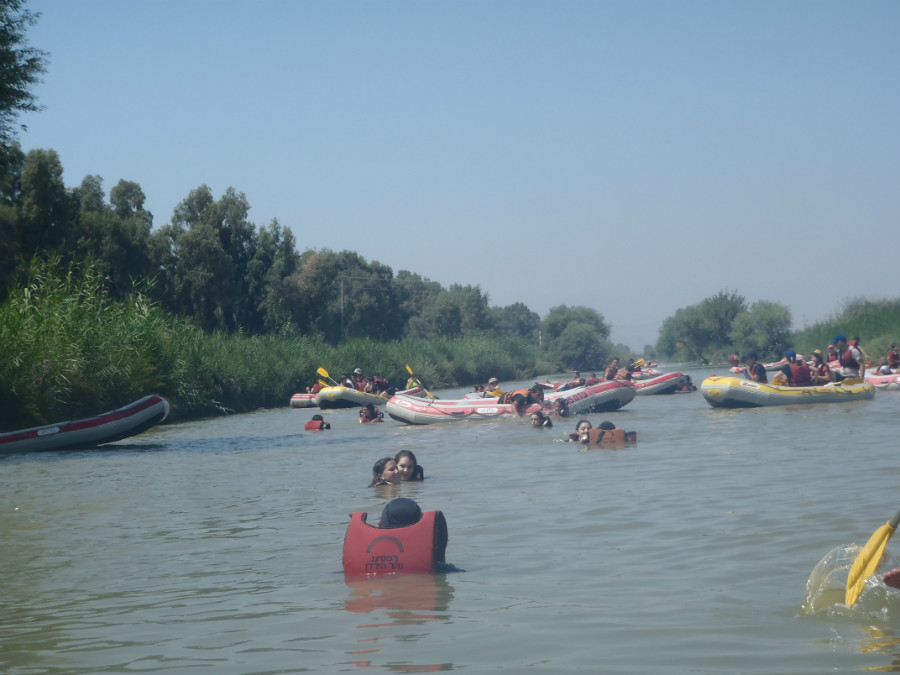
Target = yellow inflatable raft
(736,392)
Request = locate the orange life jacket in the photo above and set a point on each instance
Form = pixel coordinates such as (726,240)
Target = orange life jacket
(508,398)
(314,425)
(400,550)
(606,437)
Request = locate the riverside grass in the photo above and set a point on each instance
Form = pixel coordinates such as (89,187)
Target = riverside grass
(72,351)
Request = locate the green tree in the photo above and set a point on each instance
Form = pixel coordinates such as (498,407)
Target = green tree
(46,206)
(20,67)
(516,319)
(561,316)
(698,331)
(576,337)
(765,328)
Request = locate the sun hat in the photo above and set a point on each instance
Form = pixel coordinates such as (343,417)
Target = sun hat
(493,380)
(358,371)
(819,352)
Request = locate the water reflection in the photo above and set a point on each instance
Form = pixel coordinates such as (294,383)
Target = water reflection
(881,641)
(405,600)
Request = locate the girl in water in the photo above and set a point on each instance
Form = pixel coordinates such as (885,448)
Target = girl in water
(369,413)
(384,472)
(581,429)
(407,466)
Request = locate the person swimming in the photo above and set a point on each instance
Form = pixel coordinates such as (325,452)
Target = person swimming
(408,469)
(581,429)
(384,472)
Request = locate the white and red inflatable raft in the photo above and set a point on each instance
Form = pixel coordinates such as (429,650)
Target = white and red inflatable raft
(601,397)
(662,384)
(111,426)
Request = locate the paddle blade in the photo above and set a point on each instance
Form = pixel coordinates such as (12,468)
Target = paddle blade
(323,373)
(324,383)
(409,370)
(866,562)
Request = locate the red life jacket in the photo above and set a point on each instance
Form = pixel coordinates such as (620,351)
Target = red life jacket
(800,376)
(400,550)
(314,425)
(847,360)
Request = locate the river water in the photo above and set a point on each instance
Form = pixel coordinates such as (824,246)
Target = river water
(215,546)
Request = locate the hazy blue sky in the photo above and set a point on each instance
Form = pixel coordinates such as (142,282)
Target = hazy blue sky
(634,157)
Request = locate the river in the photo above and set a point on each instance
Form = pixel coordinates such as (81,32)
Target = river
(215,546)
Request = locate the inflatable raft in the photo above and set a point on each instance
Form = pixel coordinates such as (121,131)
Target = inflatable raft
(601,397)
(91,431)
(347,397)
(303,401)
(663,384)
(734,392)
(885,382)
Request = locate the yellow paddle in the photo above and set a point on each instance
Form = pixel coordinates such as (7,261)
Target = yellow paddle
(410,371)
(324,373)
(868,560)
(324,383)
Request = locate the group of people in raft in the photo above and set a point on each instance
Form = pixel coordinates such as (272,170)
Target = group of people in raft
(845,359)
(370,384)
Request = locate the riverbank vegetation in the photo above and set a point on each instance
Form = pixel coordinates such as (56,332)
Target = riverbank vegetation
(76,350)
(719,325)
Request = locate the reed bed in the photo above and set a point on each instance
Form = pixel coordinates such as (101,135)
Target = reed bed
(72,351)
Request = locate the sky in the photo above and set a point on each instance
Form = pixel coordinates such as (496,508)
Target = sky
(634,157)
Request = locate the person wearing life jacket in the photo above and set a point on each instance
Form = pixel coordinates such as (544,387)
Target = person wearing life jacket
(522,398)
(796,372)
(893,357)
(592,380)
(576,381)
(611,370)
(820,373)
(493,388)
(315,388)
(607,435)
(405,541)
(851,359)
(755,371)
(316,424)
(369,413)
(832,354)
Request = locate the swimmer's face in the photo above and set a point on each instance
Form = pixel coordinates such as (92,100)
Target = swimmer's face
(584,427)
(535,421)
(405,468)
(390,472)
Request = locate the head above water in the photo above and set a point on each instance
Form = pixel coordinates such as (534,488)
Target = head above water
(400,512)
